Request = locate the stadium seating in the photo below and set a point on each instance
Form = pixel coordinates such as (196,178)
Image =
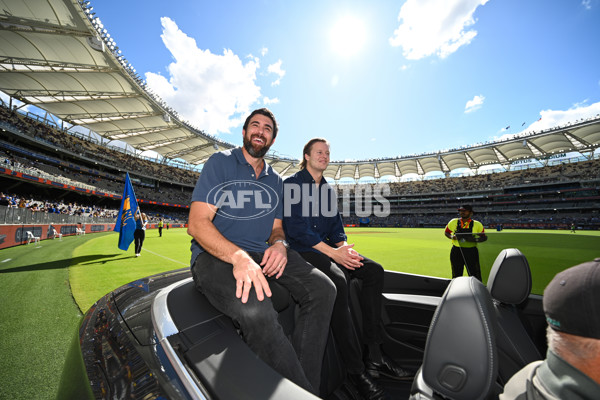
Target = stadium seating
(563,192)
(31,237)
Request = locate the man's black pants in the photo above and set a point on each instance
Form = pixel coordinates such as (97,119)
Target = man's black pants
(468,257)
(342,323)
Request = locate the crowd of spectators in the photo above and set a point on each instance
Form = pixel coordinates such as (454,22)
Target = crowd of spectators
(579,171)
(80,162)
(13,200)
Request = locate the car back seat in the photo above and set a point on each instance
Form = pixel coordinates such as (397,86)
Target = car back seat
(509,284)
(208,340)
(460,361)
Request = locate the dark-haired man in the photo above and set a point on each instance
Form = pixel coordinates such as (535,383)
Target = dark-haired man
(465,233)
(238,247)
(314,228)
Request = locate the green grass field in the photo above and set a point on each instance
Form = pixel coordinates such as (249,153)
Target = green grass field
(427,251)
(44,286)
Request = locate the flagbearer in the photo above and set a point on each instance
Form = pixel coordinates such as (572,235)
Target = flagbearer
(126,224)
(141,220)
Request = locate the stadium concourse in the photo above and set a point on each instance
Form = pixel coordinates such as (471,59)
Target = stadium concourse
(46,170)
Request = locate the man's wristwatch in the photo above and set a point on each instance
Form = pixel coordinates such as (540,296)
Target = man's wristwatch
(282,241)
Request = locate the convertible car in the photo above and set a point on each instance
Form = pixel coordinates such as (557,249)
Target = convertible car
(159,338)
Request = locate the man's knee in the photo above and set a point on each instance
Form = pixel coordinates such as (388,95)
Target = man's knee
(376,270)
(323,288)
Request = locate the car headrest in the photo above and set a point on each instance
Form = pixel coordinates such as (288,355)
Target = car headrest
(460,359)
(510,278)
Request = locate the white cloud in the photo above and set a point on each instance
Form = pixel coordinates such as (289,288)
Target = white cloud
(264,51)
(553,118)
(474,104)
(214,92)
(267,101)
(276,69)
(587,4)
(435,27)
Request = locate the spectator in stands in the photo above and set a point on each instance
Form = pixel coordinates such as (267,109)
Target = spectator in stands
(465,233)
(571,368)
(237,248)
(141,220)
(4,200)
(317,233)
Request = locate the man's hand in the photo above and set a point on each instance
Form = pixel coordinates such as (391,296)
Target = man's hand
(347,257)
(274,260)
(247,273)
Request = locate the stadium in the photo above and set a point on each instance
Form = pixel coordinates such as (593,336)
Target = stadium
(75,122)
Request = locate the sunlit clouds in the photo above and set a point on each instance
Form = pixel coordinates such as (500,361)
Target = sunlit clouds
(212,91)
(276,69)
(435,27)
(474,104)
(552,118)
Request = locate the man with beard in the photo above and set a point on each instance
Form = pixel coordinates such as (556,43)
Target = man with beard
(465,233)
(238,247)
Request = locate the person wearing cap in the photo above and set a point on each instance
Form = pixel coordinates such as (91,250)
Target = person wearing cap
(571,369)
(465,233)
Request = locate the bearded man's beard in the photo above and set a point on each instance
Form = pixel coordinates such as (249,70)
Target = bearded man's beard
(254,152)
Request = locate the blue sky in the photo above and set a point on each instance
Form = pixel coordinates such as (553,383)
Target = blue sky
(377,79)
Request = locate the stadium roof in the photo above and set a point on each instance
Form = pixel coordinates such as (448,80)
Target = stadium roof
(56,55)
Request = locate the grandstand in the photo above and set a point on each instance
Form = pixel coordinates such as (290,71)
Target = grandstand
(56,166)
(59,150)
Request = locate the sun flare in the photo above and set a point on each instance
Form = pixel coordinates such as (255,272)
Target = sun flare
(348,36)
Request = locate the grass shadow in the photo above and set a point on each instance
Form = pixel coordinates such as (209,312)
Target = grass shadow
(64,263)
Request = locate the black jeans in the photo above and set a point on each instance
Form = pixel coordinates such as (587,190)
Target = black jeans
(300,361)
(468,257)
(138,236)
(371,274)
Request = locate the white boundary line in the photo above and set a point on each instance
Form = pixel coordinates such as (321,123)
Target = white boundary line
(166,258)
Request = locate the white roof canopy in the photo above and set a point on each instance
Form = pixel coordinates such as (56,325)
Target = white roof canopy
(55,55)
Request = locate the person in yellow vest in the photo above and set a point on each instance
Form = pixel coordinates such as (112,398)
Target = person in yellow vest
(160,226)
(465,233)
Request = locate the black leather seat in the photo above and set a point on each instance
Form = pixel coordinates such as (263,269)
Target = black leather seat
(510,285)
(460,360)
(334,371)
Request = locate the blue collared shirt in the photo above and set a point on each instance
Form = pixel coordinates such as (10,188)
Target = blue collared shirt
(247,207)
(310,213)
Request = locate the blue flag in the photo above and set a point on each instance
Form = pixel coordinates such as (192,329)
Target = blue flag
(125,224)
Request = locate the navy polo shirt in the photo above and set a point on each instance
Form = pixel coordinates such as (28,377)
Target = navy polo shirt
(310,213)
(247,207)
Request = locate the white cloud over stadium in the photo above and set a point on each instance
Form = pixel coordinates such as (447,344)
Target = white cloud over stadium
(435,27)
(214,92)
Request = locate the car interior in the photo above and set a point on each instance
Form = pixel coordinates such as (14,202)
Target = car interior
(444,330)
